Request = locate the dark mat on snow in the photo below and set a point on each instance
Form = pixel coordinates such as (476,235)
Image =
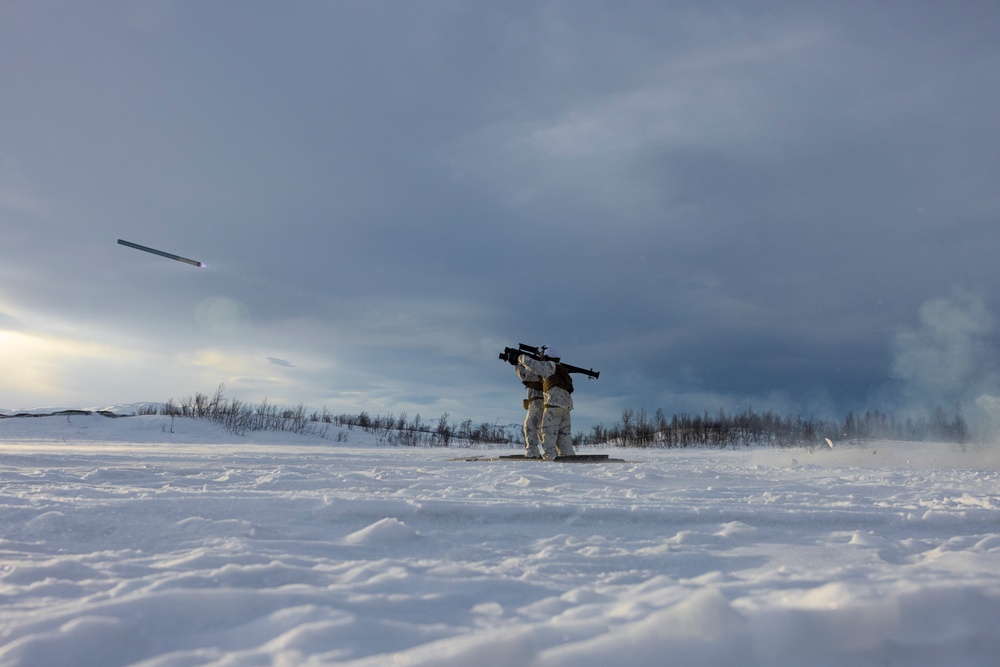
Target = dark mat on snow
(576,458)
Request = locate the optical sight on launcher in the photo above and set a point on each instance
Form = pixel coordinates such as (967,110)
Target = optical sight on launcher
(511,354)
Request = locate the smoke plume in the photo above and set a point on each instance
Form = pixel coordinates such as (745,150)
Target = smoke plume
(949,359)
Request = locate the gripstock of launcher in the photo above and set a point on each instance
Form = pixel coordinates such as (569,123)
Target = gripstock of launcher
(510,355)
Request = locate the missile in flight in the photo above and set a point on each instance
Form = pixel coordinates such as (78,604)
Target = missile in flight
(192,262)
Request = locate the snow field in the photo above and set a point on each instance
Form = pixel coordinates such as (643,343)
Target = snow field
(123,543)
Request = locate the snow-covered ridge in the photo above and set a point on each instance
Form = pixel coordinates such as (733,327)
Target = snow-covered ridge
(117,410)
(58,413)
(105,426)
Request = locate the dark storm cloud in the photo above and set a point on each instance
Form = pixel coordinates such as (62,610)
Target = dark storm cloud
(715,205)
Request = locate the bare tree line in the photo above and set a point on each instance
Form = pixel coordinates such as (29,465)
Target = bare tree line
(753,429)
(636,428)
(440,433)
(240,418)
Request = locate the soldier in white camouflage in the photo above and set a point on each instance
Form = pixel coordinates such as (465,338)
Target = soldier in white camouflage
(557,387)
(534,405)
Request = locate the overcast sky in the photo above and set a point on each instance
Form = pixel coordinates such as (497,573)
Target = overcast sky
(717,204)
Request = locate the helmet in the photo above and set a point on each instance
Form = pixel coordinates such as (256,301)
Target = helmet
(549,351)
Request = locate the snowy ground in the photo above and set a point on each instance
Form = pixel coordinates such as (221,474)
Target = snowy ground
(123,543)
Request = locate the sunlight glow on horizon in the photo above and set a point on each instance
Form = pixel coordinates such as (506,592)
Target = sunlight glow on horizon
(42,370)
(34,364)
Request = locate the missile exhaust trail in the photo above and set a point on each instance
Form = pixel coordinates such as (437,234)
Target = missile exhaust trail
(192,262)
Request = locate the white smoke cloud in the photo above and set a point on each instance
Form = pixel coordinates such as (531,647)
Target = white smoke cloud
(949,359)
(950,352)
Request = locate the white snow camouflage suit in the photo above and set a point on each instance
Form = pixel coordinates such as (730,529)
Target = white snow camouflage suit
(556,435)
(534,405)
